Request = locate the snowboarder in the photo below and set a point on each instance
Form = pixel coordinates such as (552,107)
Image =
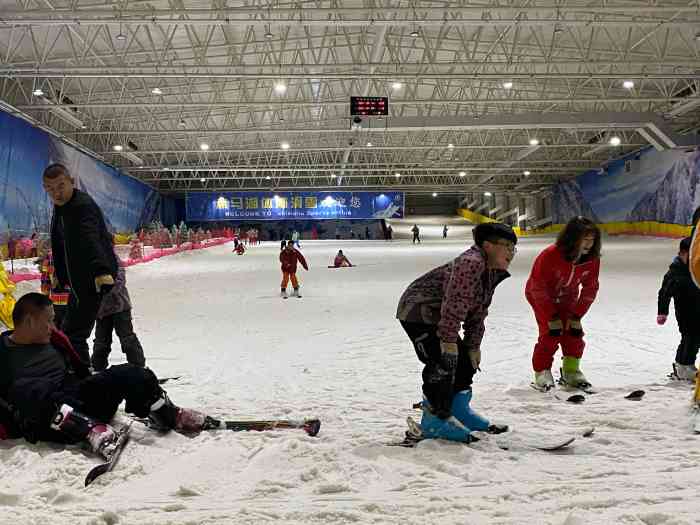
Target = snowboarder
(48,394)
(340,260)
(561,288)
(432,310)
(83,254)
(416,233)
(678,285)
(289,258)
(444,231)
(114,314)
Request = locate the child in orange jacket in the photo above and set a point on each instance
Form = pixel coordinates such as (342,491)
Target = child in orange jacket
(289,258)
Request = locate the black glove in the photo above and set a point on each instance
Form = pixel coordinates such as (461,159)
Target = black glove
(574,328)
(555,327)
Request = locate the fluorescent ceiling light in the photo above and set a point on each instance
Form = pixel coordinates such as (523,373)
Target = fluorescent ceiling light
(37,92)
(284,145)
(62,113)
(202,180)
(450,146)
(628,84)
(397,85)
(397,175)
(280,88)
(462,173)
(118,147)
(434,194)
(526,173)
(204,146)
(615,141)
(156,91)
(369,144)
(133,158)
(534,142)
(507,85)
(487,194)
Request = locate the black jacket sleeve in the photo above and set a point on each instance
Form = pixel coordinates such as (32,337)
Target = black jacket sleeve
(58,252)
(89,221)
(668,288)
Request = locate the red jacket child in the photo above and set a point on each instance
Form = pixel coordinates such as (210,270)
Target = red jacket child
(562,286)
(289,258)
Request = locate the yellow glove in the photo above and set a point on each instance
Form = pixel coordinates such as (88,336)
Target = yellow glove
(104,283)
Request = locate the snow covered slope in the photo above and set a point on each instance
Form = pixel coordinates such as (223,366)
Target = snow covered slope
(339,354)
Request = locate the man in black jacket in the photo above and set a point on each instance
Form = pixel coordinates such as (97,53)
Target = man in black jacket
(48,394)
(678,285)
(83,254)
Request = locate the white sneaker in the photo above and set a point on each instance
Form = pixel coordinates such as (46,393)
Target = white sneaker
(684,372)
(544,380)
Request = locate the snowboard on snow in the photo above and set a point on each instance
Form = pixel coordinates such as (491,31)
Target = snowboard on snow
(111,462)
(505,441)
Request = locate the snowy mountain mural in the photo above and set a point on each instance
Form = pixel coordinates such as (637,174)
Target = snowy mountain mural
(568,201)
(676,197)
(651,185)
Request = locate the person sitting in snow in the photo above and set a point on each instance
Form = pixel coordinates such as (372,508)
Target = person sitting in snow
(341,261)
(239,249)
(48,394)
(562,286)
(431,311)
(679,286)
(289,258)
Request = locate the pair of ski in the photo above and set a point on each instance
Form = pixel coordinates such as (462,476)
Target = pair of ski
(504,441)
(310,426)
(578,398)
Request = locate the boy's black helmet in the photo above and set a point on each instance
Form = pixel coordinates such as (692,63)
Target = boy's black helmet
(492,231)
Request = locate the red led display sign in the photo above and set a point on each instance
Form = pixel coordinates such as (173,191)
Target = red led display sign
(371,106)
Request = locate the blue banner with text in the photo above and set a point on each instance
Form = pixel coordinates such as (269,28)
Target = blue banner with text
(277,206)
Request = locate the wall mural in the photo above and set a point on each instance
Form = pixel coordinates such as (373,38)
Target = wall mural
(648,186)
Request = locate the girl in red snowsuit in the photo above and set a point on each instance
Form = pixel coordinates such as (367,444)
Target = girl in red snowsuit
(562,286)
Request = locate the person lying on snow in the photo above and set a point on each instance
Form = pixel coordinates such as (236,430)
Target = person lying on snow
(48,394)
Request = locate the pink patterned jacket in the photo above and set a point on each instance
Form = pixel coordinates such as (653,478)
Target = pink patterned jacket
(454,294)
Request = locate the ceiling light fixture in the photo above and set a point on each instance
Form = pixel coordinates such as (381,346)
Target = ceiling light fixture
(284,145)
(508,85)
(415,33)
(628,84)
(534,142)
(369,144)
(397,175)
(462,173)
(396,85)
(615,141)
(333,175)
(117,147)
(487,194)
(280,88)
(434,194)
(450,146)
(204,146)
(37,92)
(202,180)
(268,177)
(121,36)
(156,91)
(526,173)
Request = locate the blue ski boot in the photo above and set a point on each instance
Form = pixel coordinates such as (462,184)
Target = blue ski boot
(451,428)
(470,419)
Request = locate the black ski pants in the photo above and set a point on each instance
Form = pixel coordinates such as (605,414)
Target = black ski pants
(416,237)
(98,396)
(119,322)
(688,348)
(439,387)
(79,321)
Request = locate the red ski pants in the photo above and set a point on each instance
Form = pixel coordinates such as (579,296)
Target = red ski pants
(286,276)
(546,347)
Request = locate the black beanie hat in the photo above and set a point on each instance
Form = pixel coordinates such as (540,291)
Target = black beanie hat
(685,244)
(488,231)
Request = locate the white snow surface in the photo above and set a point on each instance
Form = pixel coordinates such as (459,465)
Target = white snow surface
(339,354)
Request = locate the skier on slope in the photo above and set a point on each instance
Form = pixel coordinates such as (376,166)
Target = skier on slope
(48,394)
(341,260)
(416,233)
(561,288)
(431,311)
(289,258)
(678,285)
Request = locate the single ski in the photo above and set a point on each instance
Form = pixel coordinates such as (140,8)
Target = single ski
(107,466)
(163,380)
(310,426)
(575,399)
